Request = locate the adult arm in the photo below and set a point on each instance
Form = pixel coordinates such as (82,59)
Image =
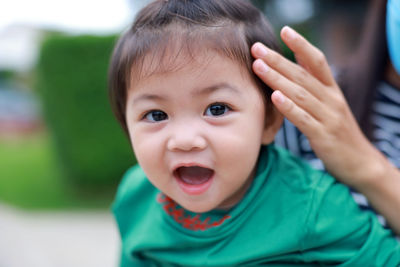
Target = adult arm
(307,94)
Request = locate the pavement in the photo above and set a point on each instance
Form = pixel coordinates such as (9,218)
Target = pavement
(57,239)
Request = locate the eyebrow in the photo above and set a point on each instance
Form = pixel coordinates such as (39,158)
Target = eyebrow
(149,97)
(196,92)
(216,87)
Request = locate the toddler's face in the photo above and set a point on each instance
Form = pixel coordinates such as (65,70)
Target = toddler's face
(197,131)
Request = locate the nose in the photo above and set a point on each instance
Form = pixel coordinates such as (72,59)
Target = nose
(186,137)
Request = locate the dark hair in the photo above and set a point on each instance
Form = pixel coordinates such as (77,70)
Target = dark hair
(183,27)
(360,77)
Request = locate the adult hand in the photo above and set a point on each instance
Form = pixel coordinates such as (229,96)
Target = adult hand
(307,94)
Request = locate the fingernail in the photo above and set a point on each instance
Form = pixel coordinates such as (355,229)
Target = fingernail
(260,50)
(260,66)
(289,33)
(279,97)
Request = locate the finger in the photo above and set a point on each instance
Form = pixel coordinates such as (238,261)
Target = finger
(299,117)
(300,96)
(310,56)
(301,63)
(287,68)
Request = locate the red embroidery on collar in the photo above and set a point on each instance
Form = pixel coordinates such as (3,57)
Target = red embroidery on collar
(180,216)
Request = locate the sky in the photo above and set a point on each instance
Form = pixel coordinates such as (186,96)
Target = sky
(75,16)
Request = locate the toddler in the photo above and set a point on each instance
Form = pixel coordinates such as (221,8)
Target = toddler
(211,189)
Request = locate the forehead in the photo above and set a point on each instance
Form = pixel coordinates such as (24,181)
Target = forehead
(206,68)
(195,63)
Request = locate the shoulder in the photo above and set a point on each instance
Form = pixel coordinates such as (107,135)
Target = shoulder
(299,180)
(134,179)
(134,189)
(318,187)
(296,173)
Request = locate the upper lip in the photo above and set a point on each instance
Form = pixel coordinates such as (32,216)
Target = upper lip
(189,164)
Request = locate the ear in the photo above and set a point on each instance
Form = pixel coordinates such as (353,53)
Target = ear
(272,126)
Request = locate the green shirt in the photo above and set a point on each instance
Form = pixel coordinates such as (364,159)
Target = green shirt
(291,215)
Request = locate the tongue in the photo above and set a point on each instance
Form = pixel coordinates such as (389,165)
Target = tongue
(194,175)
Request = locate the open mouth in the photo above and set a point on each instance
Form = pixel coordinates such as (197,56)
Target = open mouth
(194,179)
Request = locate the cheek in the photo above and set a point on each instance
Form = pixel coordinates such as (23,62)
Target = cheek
(242,141)
(146,148)
(249,129)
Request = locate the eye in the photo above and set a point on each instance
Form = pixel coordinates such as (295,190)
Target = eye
(217,109)
(155,116)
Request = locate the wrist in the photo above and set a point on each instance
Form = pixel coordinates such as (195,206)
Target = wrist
(373,174)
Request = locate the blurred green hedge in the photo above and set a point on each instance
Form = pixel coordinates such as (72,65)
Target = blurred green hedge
(72,81)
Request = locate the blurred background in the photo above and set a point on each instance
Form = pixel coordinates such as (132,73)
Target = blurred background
(62,153)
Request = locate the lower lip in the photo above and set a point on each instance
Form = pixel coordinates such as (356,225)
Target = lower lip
(195,189)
